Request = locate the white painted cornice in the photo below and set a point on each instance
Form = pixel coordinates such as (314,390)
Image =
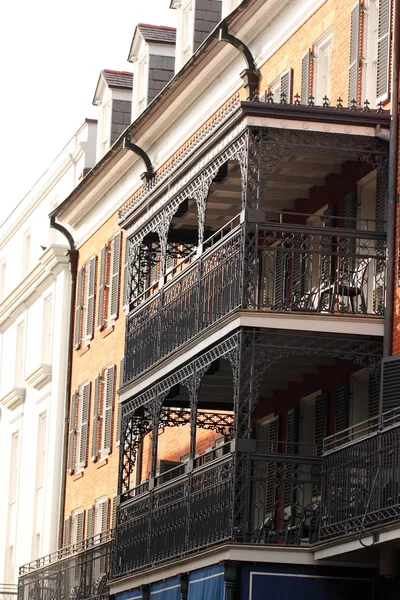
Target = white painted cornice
(53,260)
(39,376)
(13,398)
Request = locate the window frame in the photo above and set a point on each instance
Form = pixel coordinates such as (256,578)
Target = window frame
(323,42)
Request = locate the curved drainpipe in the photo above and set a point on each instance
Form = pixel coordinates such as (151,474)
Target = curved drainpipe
(251,75)
(149,173)
(73,257)
(392,188)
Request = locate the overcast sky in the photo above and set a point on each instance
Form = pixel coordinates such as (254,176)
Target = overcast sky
(51,55)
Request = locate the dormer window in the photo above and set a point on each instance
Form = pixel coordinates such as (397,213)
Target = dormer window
(142,81)
(187,30)
(106,125)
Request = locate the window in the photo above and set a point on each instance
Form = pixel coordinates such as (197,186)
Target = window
(106,123)
(20,355)
(109,282)
(12,505)
(79,428)
(2,279)
(47,329)
(103,413)
(323,69)
(74,527)
(26,252)
(369,57)
(84,307)
(282,85)
(187,31)
(40,482)
(142,83)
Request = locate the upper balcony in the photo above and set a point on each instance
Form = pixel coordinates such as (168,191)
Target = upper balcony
(265,216)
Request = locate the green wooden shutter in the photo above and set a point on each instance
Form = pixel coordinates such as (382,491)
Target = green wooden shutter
(383,59)
(355,53)
(390,383)
(373,395)
(342,407)
(321,420)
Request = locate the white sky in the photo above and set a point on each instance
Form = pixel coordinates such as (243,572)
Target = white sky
(51,55)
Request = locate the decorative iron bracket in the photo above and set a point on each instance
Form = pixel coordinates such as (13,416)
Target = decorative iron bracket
(251,75)
(149,173)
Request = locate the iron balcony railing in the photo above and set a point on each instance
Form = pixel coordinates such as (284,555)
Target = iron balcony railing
(277,266)
(252,495)
(8,591)
(361,477)
(78,572)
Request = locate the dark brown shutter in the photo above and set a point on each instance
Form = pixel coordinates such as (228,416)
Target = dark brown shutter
(355,54)
(95,420)
(342,407)
(373,394)
(84,403)
(280,278)
(291,448)
(108,403)
(350,210)
(67,532)
(306,72)
(383,64)
(114,275)
(287,85)
(72,433)
(102,288)
(90,522)
(78,310)
(114,512)
(321,420)
(390,383)
(273,435)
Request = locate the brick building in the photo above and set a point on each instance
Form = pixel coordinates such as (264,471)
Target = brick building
(258,442)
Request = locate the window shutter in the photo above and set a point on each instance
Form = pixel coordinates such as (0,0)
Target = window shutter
(78,310)
(95,444)
(114,512)
(126,276)
(105,509)
(321,418)
(390,383)
(72,433)
(84,398)
(350,210)
(108,401)
(90,522)
(80,524)
(102,289)
(373,396)
(287,85)
(270,485)
(342,407)
(306,76)
(114,275)
(355,53)
(90,292)
(291,431)
(383,71)
(67,532)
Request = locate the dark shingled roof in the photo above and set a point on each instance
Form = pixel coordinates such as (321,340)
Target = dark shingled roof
(157,33)
(118,79)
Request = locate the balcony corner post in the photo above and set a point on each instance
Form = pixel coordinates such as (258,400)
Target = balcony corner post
(145,589)
(231,578)
(184,581)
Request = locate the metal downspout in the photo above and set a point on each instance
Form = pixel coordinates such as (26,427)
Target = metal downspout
(392,188)
(73,256)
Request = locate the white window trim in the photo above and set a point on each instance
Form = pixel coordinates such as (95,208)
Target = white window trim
(142,79)
(187,45)
(325,40)
(369,63)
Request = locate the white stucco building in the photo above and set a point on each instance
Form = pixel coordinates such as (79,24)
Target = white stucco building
(35,290)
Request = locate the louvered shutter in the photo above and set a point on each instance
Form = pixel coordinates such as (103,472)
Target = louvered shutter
(373,395)
(80,525)
(287,85)
(72,433)
(291,448)
(67,532)
(272,467)
(126,276)
(306,83)
(350,210)
(84,402)
(90,522)
(390,383)
(321,419)
(355,54)
(114,275)
(383,70)
(342,407)
(95,421)
(108,401)
(90,297)
(297,269)
(280,279)
(78,310)
(102,288)
(104,511)
(119,414)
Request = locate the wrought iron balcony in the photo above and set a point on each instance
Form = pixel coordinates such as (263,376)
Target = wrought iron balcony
(8,591)
(253,493)
(361,476)
(78,572)
(268,266)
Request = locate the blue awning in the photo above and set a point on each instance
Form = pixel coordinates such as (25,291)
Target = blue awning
(170,589)
(129,595)
(207,584)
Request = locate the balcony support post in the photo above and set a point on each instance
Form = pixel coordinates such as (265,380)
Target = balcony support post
(231,578)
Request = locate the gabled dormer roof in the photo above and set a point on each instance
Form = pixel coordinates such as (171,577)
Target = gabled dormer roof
(151,34)
(113,80)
